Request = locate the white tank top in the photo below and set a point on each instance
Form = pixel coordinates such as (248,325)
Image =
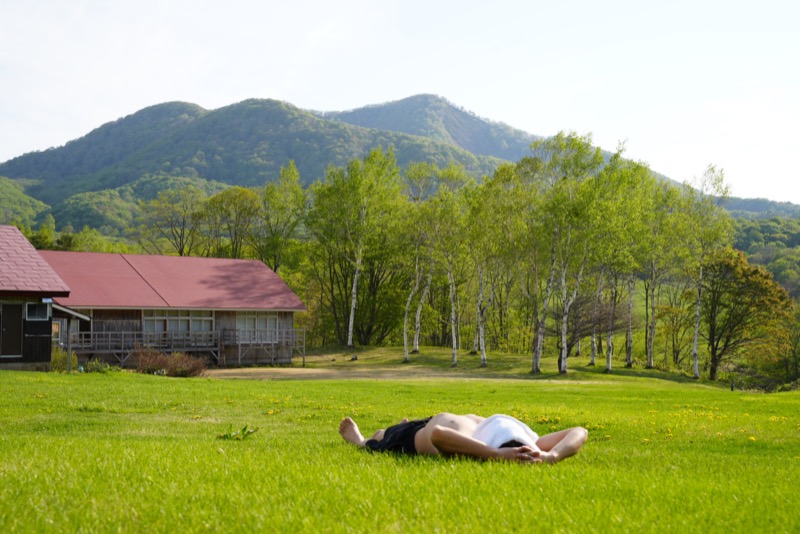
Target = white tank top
(499,429)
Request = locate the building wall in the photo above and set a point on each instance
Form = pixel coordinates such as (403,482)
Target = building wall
(35,338)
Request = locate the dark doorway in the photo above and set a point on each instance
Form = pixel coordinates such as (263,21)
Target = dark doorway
(11,330)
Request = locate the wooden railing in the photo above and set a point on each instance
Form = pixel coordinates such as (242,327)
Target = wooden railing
(112,342)
(86,342)
(285,337)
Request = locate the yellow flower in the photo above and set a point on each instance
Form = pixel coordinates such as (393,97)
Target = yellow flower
(752,438)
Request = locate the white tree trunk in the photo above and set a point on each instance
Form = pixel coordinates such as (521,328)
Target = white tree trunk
(353,298)
(595,304)
(651,325)
(695,358)
(610,341)
(568,301)
(453,330)
(629,334)
(481,320)
(540,323)
(417,280)
(418,318)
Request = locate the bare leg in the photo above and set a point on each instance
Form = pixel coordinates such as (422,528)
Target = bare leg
(350,432)
(563,444)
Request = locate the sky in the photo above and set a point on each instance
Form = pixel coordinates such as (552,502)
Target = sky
(684,84)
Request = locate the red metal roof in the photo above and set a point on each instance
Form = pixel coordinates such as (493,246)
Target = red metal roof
(23,271)
(138,281)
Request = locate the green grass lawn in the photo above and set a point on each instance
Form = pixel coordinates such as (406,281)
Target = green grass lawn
(135,453)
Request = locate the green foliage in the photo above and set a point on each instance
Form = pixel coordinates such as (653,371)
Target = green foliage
(99,366)
(742,308)
(238,435)
(283,209)
(356,242)
(775,244)
(16,207)
(104,210)
(58,360)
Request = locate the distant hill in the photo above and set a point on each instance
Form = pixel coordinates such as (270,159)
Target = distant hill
(436,118)
(760,208)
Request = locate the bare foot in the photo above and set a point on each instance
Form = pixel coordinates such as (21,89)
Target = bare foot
(350,432)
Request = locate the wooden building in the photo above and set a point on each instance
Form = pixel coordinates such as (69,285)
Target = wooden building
(28,286)
(235,312)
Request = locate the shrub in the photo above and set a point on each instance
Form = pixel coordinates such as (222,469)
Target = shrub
(153,362)
(99,366)
(58,360)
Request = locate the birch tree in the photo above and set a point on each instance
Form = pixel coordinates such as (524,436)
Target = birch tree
(660,256)
(568,162)
(448,221)
(621,240)
(706,228)
(420,180)
(488,220)
(352,218)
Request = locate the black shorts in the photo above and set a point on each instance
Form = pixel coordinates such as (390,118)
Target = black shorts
(399,438)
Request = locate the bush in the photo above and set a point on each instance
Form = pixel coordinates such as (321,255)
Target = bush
(153,362)
(58,360)
(99,366)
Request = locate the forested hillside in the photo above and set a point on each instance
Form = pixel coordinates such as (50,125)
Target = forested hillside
(242,144)
(434,117)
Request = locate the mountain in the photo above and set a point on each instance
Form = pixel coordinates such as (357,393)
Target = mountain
(99,179)
(243,144)
(436,118)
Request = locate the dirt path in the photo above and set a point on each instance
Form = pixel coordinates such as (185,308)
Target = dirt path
(308,373)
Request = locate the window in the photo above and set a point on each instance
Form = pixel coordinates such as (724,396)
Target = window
(36,311)
(178,321)
(257,327)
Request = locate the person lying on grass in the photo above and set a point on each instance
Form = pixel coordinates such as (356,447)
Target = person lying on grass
(499,437)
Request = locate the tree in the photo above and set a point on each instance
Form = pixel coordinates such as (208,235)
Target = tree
(621,233)
(352,218)
(705,228)
(230,215)
(420,179)
(283,207)
(173,221)
(743,308)
(45,238)
(659,257)
(448,212)
(567,164)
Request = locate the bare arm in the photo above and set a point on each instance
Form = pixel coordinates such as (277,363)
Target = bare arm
(449,441)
